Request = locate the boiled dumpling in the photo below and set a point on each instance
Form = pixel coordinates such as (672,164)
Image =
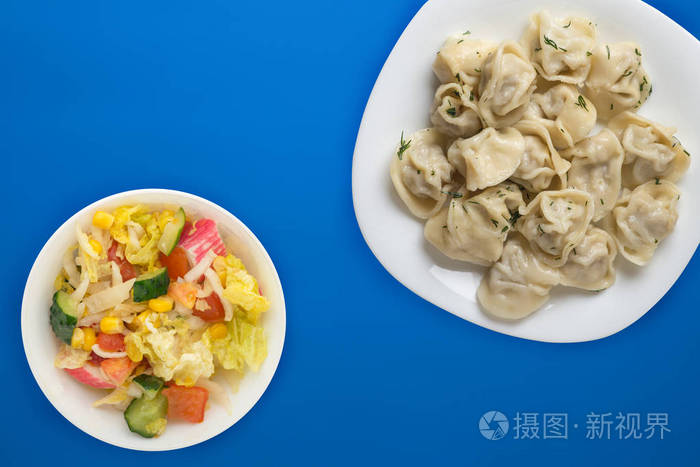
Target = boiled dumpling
(541,164)
(567,114)
(617,81)
(460,60)
(590,264)
(642,218)
(487,158)
(420,172)
(507,82)
(454,111)
(559,48)
(650,150)
(518,284)
(596,164)
(555,221)
(474,229)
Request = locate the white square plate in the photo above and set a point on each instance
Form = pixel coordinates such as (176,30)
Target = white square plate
(400,101)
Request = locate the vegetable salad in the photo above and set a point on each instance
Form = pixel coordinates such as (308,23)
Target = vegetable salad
(149,305)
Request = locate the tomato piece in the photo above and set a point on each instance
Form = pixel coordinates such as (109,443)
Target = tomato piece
(183,292)
(125,268)
(95,359)
(111,342)
(117,369)
(112,252)
(186,403)
(176,263)
(214,313)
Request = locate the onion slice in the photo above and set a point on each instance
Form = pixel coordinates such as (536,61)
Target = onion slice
(70,268)
(196,272)
(79,292)
(104,354)
(218,393)
(116,274)
(109,298)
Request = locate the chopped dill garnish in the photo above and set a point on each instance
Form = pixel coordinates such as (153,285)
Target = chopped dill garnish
(514,216)
(553,44)
(582,103)
(402,147)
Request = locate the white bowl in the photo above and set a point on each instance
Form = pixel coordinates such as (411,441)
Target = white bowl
(73,400)
(401,101)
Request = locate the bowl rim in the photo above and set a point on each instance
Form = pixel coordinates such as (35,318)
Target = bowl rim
(24,324)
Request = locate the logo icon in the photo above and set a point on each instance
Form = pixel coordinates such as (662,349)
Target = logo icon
(493,425)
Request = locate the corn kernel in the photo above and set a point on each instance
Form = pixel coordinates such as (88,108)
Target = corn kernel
(133,352)
(161,304)
(103,220)
(111,325)
(89,339)
(165,217)
(77,339)
(97,246)
(218,331)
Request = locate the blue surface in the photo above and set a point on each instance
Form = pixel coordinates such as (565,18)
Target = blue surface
(255,106)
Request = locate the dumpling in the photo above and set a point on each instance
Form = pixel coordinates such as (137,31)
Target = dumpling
(474,229)
(617,81)
(642,218)
(420,172)
(590,264)
(454,111)
(559,48)
(460,59)
(650,150)
(518,284)
(555,222)
(541,164)
(507,82)
(487,158)
(596,164)
(567,114)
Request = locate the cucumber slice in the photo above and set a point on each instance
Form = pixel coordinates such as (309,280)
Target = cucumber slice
(147,416)
(171,233)
(150,384)
(151,285)
(63,316)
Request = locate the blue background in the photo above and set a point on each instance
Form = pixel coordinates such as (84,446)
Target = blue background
(256,106)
